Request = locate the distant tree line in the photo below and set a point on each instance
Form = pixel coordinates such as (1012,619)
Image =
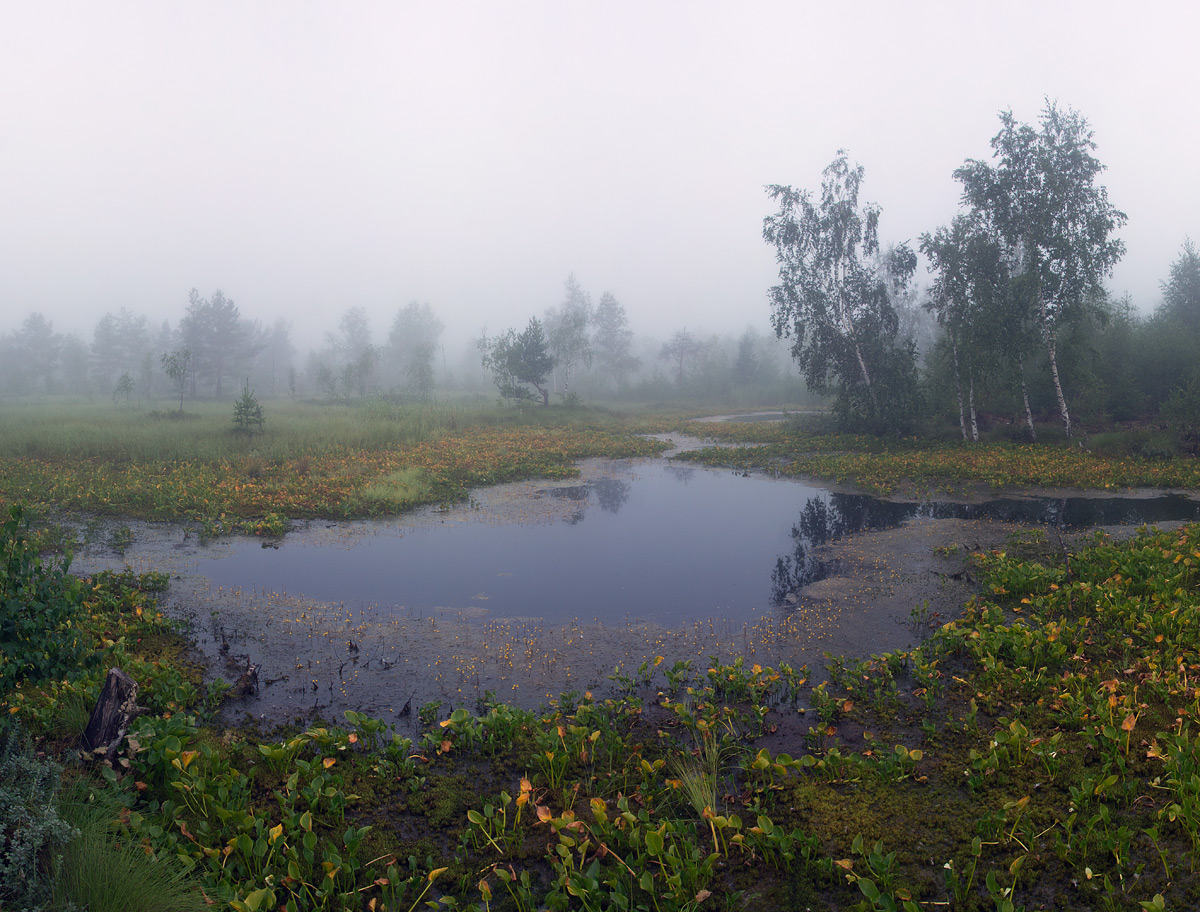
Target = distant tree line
(579,350)
(1014,329)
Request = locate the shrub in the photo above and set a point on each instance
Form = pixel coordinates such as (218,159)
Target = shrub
(39,601)
(1181,412)
(31,831)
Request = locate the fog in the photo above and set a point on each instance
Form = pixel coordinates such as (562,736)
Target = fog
(307,158)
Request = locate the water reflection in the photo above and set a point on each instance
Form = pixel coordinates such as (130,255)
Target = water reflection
(611,495)
(661,543)
(828,517)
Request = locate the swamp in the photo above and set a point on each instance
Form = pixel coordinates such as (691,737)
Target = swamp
(569,659)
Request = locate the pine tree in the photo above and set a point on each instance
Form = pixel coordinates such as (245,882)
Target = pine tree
(247,413)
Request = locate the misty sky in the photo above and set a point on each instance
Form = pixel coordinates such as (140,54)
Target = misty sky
(307,157)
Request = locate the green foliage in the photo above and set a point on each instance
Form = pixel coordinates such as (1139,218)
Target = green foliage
(39,604)
(247,412)
(124,388)
(32,833)
(1181,412)
(518,361)
(1044,208)
(104,871)
(836,298)
(1181,291)
(175,365)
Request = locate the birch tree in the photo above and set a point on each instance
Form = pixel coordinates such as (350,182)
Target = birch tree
(834,297)
(612,341)
(973,301)
(566,328)
(1042,198)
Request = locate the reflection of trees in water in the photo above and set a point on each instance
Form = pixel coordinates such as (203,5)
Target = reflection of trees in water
(826,519)
(578,496)
(682,473)
(793,572)
(611,495)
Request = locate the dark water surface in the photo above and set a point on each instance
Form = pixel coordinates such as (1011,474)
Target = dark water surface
(654,542)
(650,541)
(538,588)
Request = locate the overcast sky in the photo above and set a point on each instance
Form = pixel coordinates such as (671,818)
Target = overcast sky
(308,157)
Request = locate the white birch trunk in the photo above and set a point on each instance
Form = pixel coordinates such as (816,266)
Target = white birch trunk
(1025,398)
(962,418)
(974,417)
(1052,351)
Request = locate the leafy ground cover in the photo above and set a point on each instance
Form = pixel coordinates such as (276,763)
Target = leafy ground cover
(310,463)
(1040,751)
(888,466)
(378,458)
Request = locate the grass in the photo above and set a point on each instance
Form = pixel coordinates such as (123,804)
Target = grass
(61,428)
(105,871)
(1040,750)
(397,491)
(886,466)
(370,459)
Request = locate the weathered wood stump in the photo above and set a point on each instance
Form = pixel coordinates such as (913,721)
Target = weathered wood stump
(247,683)
(112,715)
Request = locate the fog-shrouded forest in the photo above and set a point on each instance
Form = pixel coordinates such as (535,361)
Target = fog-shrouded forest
(647,457)
(1003,321)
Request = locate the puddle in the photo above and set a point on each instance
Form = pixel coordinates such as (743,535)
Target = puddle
(540,587)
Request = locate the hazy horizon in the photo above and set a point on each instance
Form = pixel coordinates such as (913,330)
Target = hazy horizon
(307,158)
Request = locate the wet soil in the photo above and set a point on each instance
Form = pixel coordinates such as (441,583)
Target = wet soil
(882,591)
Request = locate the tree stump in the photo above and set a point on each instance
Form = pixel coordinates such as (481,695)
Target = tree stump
(248,682)
(112,715)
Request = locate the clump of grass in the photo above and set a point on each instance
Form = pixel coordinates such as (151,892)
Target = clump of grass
(254,467)
(73,711)
(396,491)
(104,870)
(699,773)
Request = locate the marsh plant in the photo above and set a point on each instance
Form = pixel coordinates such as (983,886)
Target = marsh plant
(1039,750)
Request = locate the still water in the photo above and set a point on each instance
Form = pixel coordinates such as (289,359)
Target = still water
(641,541)
(537,588)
